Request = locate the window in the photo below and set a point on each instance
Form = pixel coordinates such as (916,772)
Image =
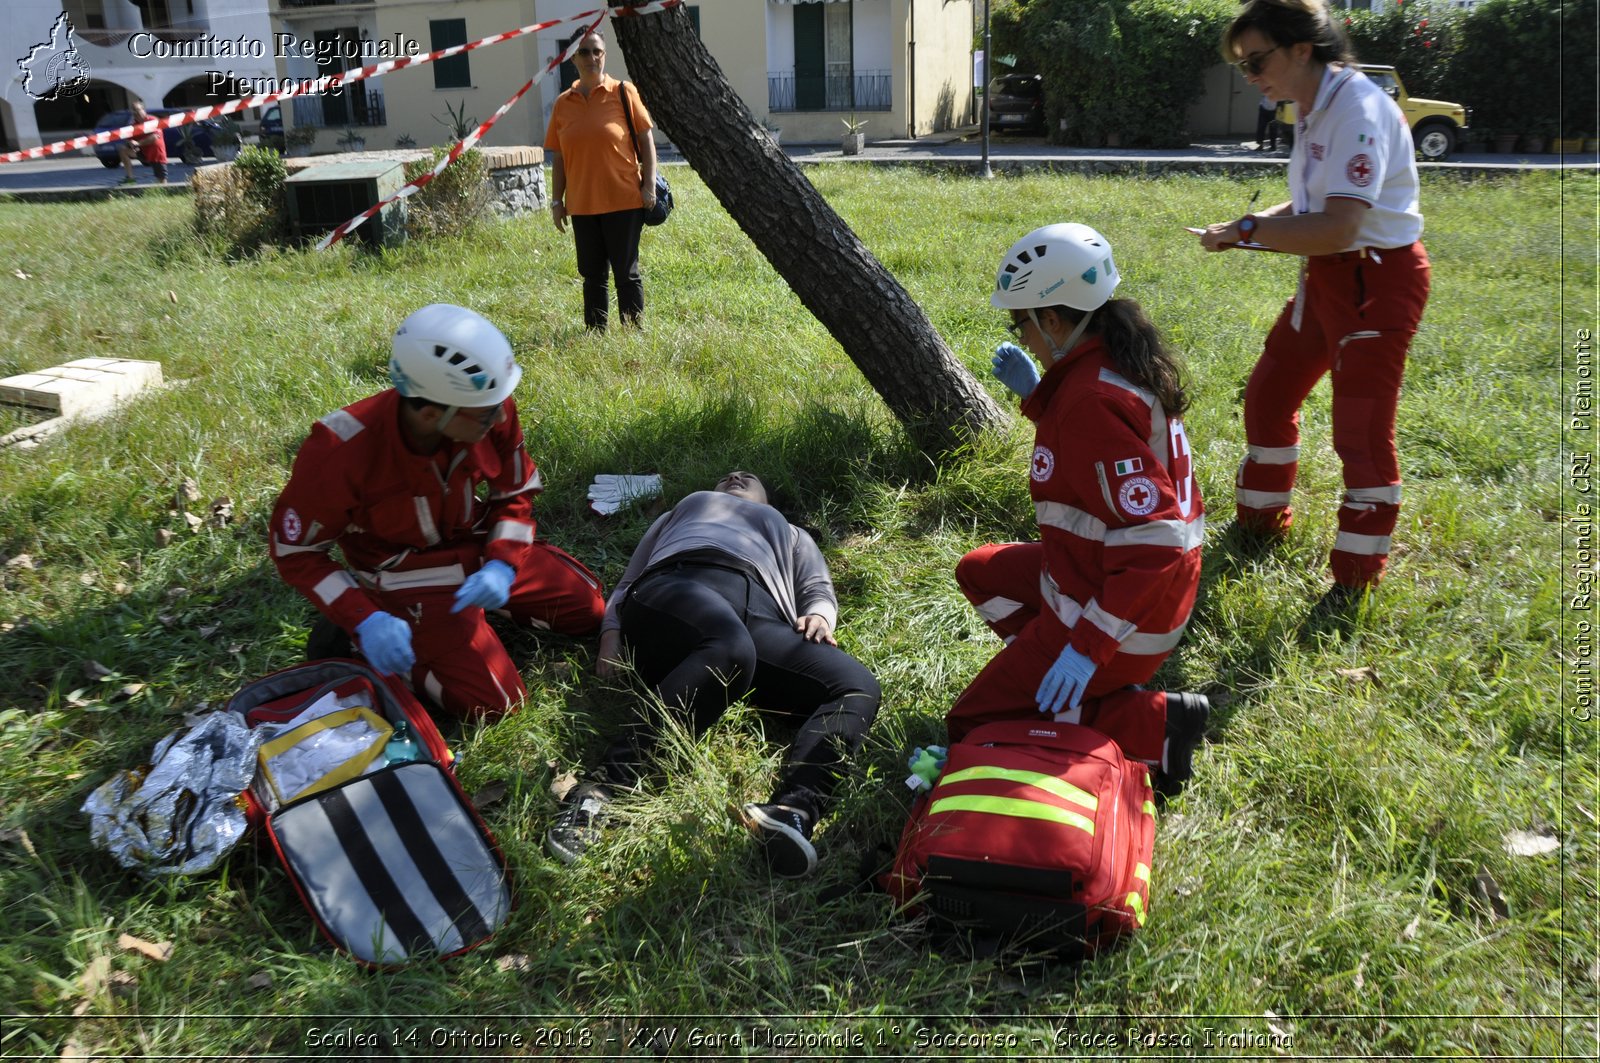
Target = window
(455,72)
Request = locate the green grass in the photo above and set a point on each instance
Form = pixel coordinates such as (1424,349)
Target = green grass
(1319,876)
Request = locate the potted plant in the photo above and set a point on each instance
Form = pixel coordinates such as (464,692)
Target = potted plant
(298,141)
(854,139)
(350,140)
(1567,145)
(1536,139)
(405,140)
(226,139)
(1505,143)
(772,130)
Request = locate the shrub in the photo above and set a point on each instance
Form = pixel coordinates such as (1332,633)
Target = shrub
(243,203)
(1506,67)
(1128,68)
(1418,40)
(453,201)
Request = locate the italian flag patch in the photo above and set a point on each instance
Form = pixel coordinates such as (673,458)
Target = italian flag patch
(1129,466)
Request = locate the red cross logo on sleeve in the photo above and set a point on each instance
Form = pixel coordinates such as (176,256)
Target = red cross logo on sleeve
(1138,496)
(1359,171)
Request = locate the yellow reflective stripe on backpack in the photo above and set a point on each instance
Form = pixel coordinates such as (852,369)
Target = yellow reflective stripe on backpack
(1150,809)
(1010,806)
(1048,783)
(1136,903)
(1142,873)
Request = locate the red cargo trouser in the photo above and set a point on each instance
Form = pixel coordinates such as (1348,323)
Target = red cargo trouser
(1001,580)
(461,664)
(1357,313)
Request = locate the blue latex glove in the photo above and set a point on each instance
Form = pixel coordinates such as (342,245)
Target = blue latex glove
(487,588)
(1014,369)
(1065,682)
(386,643)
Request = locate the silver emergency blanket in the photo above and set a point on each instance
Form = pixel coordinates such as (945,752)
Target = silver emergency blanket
(182,815)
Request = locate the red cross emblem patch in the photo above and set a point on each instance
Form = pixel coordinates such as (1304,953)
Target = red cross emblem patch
(1359,170)
(291,526)
(1044,463)
(1138,496)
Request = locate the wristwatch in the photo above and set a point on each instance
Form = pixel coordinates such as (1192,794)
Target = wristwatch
(1247,228)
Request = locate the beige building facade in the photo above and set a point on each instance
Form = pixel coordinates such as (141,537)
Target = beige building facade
(904,67)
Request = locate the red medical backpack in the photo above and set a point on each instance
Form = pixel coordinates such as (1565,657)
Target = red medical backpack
(1035,835)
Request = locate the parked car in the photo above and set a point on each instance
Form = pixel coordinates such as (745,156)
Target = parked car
(200,136)
(272,128)
(1436,125)
(1016,101)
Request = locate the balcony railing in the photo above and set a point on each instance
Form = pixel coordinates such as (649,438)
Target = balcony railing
(865,90)
(320,3)
(118,38)
(346,106)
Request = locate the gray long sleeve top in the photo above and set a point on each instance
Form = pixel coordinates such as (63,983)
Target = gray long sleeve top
(790,565)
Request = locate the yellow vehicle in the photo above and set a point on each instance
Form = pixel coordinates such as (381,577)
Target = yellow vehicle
(1435,124)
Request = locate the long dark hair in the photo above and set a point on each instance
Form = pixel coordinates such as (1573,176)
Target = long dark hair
(1287,22)
(1137,350)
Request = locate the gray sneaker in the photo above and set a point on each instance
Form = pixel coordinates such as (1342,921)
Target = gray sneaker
(785,835)
(579,824)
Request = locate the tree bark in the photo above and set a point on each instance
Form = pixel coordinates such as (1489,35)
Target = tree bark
(860,302)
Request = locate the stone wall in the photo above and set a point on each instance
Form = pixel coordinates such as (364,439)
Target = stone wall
(516,173)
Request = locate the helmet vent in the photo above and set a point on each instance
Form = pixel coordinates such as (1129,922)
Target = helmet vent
(1039,251)
(1011,267)
(1023,257)
(440,350)
(457,358)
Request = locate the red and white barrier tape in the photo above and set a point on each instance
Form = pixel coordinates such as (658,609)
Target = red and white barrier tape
(321,85)
(472,138)
(421,180)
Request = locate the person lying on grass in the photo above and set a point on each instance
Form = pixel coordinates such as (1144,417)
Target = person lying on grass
(725,598)
(394,481)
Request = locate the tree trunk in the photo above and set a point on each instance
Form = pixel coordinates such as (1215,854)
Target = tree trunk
(859,301)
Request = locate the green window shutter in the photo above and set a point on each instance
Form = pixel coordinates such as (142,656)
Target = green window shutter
(810,58)
(455,72)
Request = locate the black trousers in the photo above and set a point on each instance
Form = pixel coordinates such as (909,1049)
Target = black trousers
(703,637)
(608,245)
(1265,126)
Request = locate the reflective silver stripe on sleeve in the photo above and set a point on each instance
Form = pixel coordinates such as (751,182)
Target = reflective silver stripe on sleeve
(411,579)
(1183,534)
(1116,379)
(1066,610)
(435,689)
(1272,455)
(1070,519)
(533,483)
(1387,495)
(1114,626)
(430,531)
(513,531)
(1262,499)
(343,424)
(283,549)
(332,585)
(1365,545)
(998,608)
(1137,643)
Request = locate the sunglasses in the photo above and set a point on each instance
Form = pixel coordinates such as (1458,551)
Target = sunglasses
(1016,327)
(486,419)
(1250,66)
(591,51)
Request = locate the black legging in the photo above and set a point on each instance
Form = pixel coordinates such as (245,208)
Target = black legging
(703,637)
(608,245)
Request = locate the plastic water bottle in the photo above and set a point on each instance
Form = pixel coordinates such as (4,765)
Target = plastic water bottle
(402,747)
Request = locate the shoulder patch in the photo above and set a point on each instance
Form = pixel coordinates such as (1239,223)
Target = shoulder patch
(343,424)
(291,526)
(1138,496)
(1044,463)
(1359,170)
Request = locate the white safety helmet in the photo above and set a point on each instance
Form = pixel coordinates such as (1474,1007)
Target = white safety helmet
(1067,264)
(453,356)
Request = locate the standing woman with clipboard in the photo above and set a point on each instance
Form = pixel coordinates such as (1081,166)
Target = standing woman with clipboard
(602,179)
(1353,214)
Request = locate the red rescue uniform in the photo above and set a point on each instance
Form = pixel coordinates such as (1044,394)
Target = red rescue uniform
(411,528)
(1117,566)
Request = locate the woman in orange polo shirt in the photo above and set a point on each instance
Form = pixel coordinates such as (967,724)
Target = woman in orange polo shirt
(599,183)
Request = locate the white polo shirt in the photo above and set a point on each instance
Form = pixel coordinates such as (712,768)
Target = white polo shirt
(1355,143)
